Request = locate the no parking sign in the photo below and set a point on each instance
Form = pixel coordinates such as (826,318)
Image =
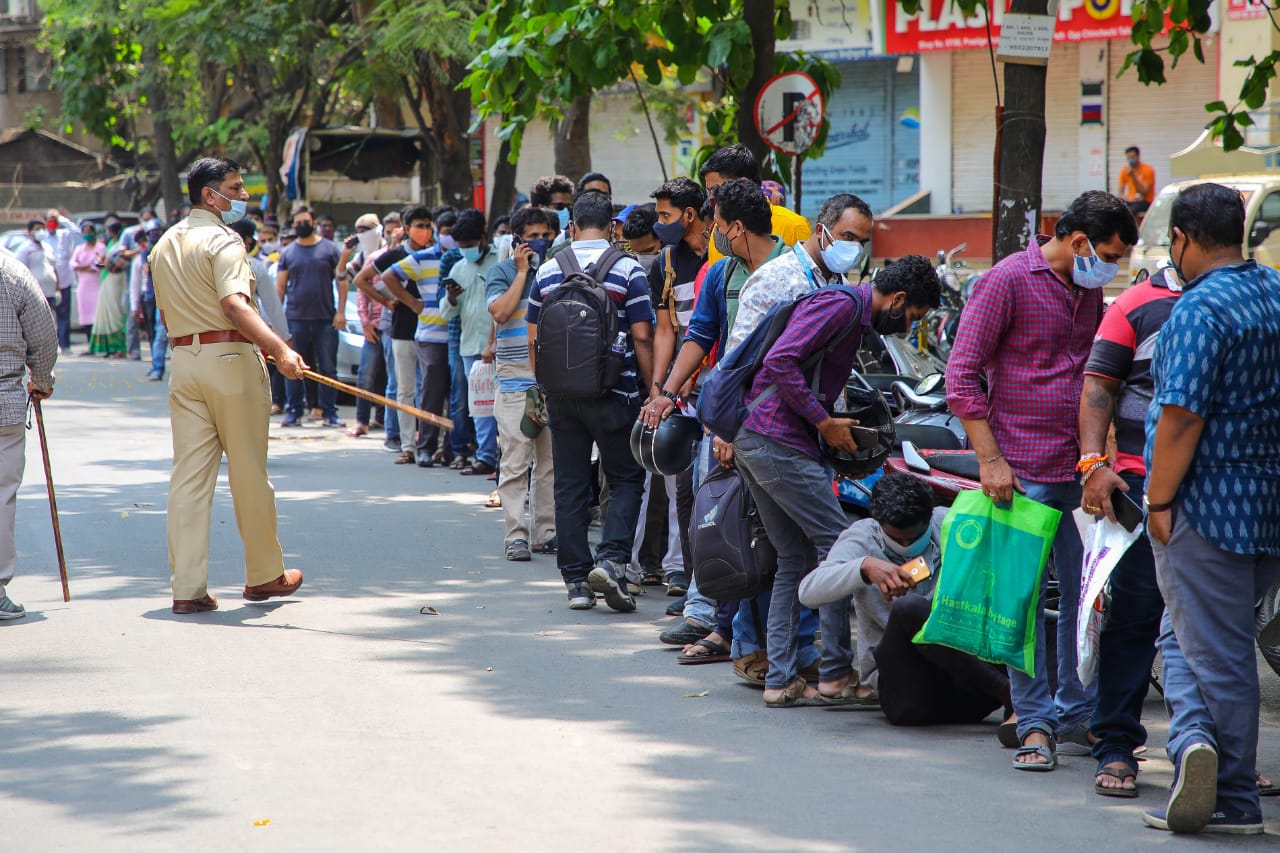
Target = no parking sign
(789,111)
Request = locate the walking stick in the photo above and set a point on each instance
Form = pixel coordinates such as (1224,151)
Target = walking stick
(420,414)
(53,501)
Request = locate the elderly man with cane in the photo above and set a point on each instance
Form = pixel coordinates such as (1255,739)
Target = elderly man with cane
(28,342)
(219,396)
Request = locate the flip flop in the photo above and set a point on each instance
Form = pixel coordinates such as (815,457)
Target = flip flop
(716,653)
(849,700)
(1120,775)
(494,500)
(1007,734)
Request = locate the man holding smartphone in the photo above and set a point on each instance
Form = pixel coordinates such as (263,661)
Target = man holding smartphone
(887,564)
(1118,388)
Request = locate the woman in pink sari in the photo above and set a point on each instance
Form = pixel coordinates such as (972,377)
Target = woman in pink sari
(86,261)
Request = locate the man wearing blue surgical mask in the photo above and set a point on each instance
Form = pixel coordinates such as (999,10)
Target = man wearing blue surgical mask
(1030,324)
(915,685)
(834,249)
(464,298)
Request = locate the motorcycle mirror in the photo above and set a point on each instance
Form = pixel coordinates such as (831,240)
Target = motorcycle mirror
(914,460)
(930,384)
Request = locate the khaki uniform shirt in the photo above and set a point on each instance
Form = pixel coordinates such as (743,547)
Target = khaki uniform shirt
(194,266)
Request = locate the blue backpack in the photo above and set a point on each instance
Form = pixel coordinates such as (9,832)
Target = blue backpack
(721,406)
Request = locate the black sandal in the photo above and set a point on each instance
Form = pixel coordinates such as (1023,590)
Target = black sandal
(1130,772)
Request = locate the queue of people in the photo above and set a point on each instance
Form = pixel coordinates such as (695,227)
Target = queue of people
(579,317)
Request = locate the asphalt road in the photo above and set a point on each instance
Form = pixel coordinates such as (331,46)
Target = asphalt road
(350,717)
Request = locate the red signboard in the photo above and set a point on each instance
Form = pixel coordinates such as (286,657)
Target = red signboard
(941,25)
(1245,10)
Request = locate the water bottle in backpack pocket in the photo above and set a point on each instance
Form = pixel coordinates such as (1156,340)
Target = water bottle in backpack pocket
(580,351)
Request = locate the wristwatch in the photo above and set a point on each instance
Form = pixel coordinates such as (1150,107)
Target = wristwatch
(1150,507)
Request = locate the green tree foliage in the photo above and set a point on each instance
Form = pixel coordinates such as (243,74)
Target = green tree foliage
(193,77)
(1188,21)
(541,54)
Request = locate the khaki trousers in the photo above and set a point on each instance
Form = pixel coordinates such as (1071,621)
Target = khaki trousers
(519,454)
(219,401)
(13,461)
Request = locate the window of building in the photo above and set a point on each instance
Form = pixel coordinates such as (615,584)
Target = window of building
(34,70)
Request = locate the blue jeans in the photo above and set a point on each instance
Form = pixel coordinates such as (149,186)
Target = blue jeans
(1032,700)
(575,425)
(159,337)
(747,636)
(322,337)
(1127,647)
(800,513)
(1210,666)
(486,428)
(462,433)
(62,316)
(390,417)
(370,360)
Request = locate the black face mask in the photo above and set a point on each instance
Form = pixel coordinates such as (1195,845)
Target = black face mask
(889,323)
(304,230)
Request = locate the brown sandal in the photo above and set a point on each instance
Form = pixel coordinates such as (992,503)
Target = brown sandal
(752,668)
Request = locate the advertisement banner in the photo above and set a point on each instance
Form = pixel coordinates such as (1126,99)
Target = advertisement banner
(940,25)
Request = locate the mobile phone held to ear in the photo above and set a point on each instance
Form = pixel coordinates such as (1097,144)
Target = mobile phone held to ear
(918,569)
(1128,513)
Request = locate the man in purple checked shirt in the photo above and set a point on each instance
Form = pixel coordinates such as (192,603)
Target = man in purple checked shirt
(782,461)
(1028,328)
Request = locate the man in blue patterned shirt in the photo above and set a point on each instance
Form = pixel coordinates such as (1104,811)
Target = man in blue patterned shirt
(1213,504)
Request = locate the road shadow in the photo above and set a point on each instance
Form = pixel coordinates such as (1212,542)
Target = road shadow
(82,764)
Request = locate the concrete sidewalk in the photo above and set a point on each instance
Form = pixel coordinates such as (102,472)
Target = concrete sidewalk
(421,693)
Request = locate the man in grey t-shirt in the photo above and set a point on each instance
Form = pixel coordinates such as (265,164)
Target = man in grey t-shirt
(915,685)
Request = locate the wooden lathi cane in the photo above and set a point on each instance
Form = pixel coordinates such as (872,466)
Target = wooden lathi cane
(420,414)
(53,501)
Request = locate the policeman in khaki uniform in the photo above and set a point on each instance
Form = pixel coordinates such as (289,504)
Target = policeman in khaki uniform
(219,395)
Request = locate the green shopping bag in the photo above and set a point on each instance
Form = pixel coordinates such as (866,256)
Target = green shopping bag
(988,586)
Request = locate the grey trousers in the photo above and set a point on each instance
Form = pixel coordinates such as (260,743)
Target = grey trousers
(13,461)
(803,519)
(1207,645)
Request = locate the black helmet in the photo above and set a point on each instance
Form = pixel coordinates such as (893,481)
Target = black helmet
(868,407)
(668,449)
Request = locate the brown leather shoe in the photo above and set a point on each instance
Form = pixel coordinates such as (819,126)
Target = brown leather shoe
(199,605)
(286,584)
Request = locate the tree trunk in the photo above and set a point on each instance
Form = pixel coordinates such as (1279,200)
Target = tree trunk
(450,117)
(165,150)
(504,182)
(1017,214)
(759,16)
(573,140)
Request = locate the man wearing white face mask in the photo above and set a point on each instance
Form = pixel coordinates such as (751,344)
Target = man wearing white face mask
(1028,329)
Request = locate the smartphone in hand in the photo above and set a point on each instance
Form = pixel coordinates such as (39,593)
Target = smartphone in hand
(918,569)
(1128,513)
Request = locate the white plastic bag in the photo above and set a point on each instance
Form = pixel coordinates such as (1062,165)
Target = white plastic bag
(1105,542)
(481,389)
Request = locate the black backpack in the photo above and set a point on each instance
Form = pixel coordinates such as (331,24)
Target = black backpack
(732,556)
(577,328)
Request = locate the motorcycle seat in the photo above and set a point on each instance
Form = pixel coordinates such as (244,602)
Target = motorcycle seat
(927,436)
(960,464)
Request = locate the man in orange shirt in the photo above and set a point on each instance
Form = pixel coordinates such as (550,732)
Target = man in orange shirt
(1137,182)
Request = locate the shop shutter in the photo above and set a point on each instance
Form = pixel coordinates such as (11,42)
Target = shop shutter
(1160,120)
(973,129)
